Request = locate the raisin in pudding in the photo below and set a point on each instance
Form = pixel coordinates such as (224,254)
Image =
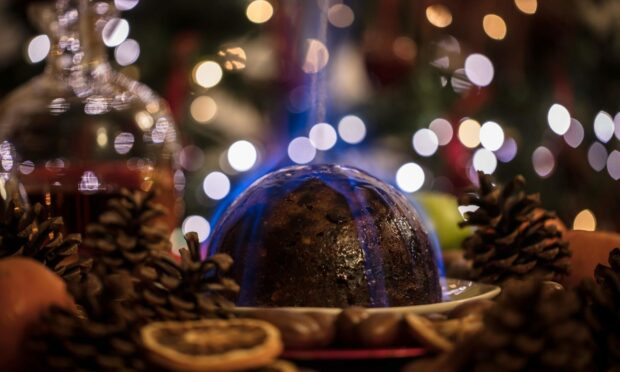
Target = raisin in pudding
(327,236)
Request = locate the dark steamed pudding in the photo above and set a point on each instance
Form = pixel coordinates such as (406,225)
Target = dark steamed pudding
(327,236)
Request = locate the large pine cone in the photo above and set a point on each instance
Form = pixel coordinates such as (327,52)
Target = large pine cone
(103,337)
(128,232)
(30,232)
(529,329)
(603,311)
(515,237)
(191,289)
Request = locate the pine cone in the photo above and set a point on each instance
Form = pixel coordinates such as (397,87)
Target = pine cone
(191,289)
(603,311)
(515,237)
(28,231)
(104,336)
(529,329)
(128,232)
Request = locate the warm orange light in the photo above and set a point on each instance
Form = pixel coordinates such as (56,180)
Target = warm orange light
(439,15)
(585,220)
(527,6)
(494,26)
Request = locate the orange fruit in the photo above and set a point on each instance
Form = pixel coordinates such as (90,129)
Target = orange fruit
(589,249)
(27,289)
(212,344)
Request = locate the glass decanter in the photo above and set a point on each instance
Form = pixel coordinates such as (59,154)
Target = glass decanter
(79,132)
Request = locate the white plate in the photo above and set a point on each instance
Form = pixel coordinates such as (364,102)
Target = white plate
(455,292)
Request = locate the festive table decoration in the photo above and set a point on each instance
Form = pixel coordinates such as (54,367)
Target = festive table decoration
(515,236)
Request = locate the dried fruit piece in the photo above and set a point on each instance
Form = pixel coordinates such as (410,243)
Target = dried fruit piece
(212,344)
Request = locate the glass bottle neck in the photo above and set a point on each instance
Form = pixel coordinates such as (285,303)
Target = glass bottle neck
(77,52)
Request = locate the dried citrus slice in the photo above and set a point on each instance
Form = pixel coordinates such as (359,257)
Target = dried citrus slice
(212,344)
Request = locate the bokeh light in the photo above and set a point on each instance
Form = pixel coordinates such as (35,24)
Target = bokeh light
(316,58)
(585,221)
(527,6)
(485,161)
(208,74)
(597,156)
(198,224)
(443,130)
(439,15)
(479,69)
(340,15)
(323,136)
(301,150)
(127,53)
(574,135)
(115,31)
(352,129)
(508,151)
(617,125)
(203,109)
(242,155)
(543,161)
(613,165)
(469,133)
(191,158)
(259,11)
(494,26)
(404,48)
(123,142)
(425,142)
(410,177)
(216,185)
(603,126)
(38,48)
(125,4)
(558,118)
(234,58)
(102,137)
(491,136)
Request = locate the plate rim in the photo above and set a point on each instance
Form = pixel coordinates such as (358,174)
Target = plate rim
(440,307)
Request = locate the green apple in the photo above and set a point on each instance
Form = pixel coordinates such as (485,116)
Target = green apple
(443,215)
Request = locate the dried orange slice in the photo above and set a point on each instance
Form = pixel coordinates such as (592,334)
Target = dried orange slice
(212,344)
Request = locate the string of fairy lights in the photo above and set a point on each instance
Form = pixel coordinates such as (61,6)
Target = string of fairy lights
(488,140)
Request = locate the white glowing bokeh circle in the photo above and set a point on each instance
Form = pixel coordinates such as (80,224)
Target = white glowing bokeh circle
(127,53)
(484,160)
(323,136)
(242,155)
(316,57)
(216,185)
(479,69)
(558,118)
(575,133)
(259,11)
(301,150)
(208,74)
(425,142)
(597,156)
(603,126)
(115,31)
(443,130)
(123,142)
(352,129)
(613,165)
(543,161)
(410,177)
(197,224)
(617,125)
(125,4)
(38,48)
(491,136)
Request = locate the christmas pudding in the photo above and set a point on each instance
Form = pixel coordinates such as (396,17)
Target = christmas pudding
(327,236)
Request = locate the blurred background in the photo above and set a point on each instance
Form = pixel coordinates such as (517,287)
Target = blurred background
(419,93)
